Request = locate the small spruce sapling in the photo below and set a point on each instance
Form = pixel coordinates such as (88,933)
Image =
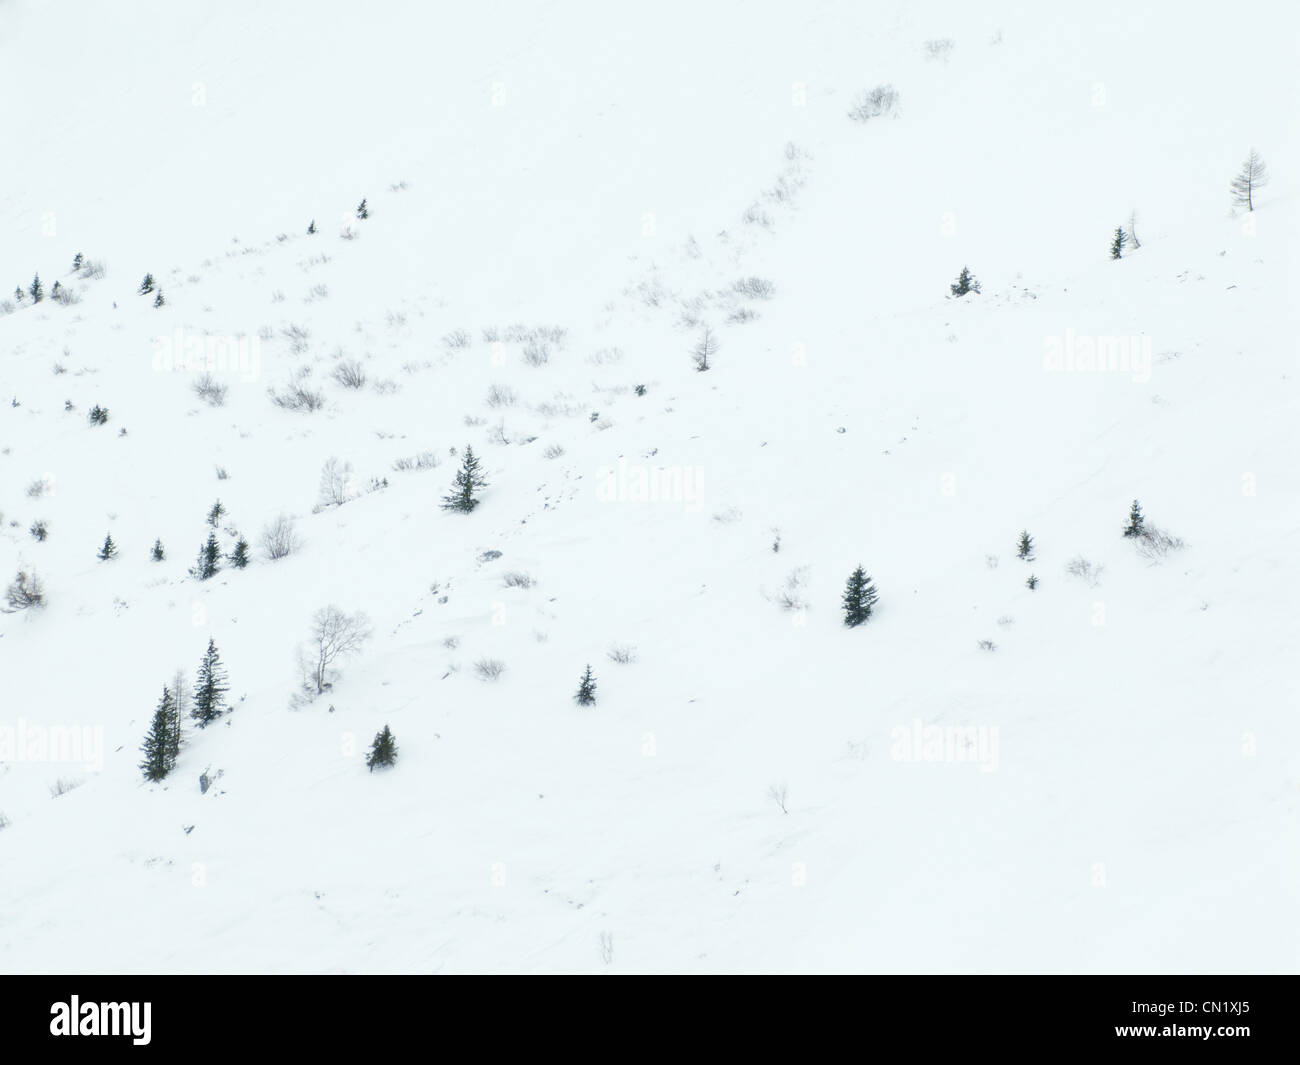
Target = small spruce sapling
(586,694)
(147,285)
(965,283)
(157,554)
(239,556)
(363,211)
(383,751)
(1136,523)
(109,550)
(1025,547)
(859,598)
(1117,243)
(469,481)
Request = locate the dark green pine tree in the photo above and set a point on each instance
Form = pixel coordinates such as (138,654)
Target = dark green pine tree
(209,563)
(77,260)
(586,689)
(19,294)
(146,286)
(383,751)
(210,688)
(859,598)
(157,554)
(311,228)
(469,481)
(158,300)
(1025,547)
(362,210)
(109,550)
(965,283)
(1032,582)
(161,742)
(239,556)
(55,290)
(37,291)
(1136,523)
(1117,243)
(216,513)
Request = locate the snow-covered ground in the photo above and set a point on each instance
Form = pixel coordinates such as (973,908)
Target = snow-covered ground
(1112,787)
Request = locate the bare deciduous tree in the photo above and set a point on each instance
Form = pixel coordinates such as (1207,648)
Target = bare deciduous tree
(279,540)
(335,635)
(705,348)
(338,483)
(1253,175)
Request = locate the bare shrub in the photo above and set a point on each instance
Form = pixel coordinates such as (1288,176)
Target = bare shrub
(296,396)
(93,270)
(780,794)
(489,668)
(873,103)
(37,488)
(335,636)
(940,48)
(338,483)
(987,645)
(350,374)
(518,579)
(456,340)
(65,296)
(279,538)
(553,451)
(210,390)
(502,396)
(791,595)
(754,288)
(537,353)
(298,336)
(424,460)
(25,592)
(64,785)
(605,356)
(1085,570)
(1153,544)
(622,653)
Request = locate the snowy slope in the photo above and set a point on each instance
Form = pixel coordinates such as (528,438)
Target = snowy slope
(607,180)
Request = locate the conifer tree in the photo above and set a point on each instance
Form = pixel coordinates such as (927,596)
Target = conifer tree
(362,210)
(586,689)
(158,300)
(1252,175)
(157,554)
(1032,582)
(209,688)
(1117,243)
(311,228)
(19,294)
(859,598)
(469,481)
(55,290)
(160,744)
(77,260)
(37,290)
(209,563)
(965,283)
(1025,547)
(109,550)
(1136,523)
(239,556)
(216,513)
(146,286)
(383,751)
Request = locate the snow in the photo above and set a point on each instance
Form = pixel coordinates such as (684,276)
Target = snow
(1133,807)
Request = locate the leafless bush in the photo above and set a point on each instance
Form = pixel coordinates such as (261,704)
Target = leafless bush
(1153,543)
(518,579)
(66,296)
(537,353)
(605,356)
(456,340)
(940,48)
(335,635)
(873,103)
(754,288)
(350,374)
(37,488)
(755,216)
(741,315)
(25,592)
(987,645)
(298,336)
(64,785)
(424,460)
(791,595)
(780,794)
(223,474)
(93,270)
(622,653)
(502,396)
(1085,570)
(296,396)
(7,307)
(279,538)
(489,668)
(317,292)
(210,390)
(338,483)
(553,451)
